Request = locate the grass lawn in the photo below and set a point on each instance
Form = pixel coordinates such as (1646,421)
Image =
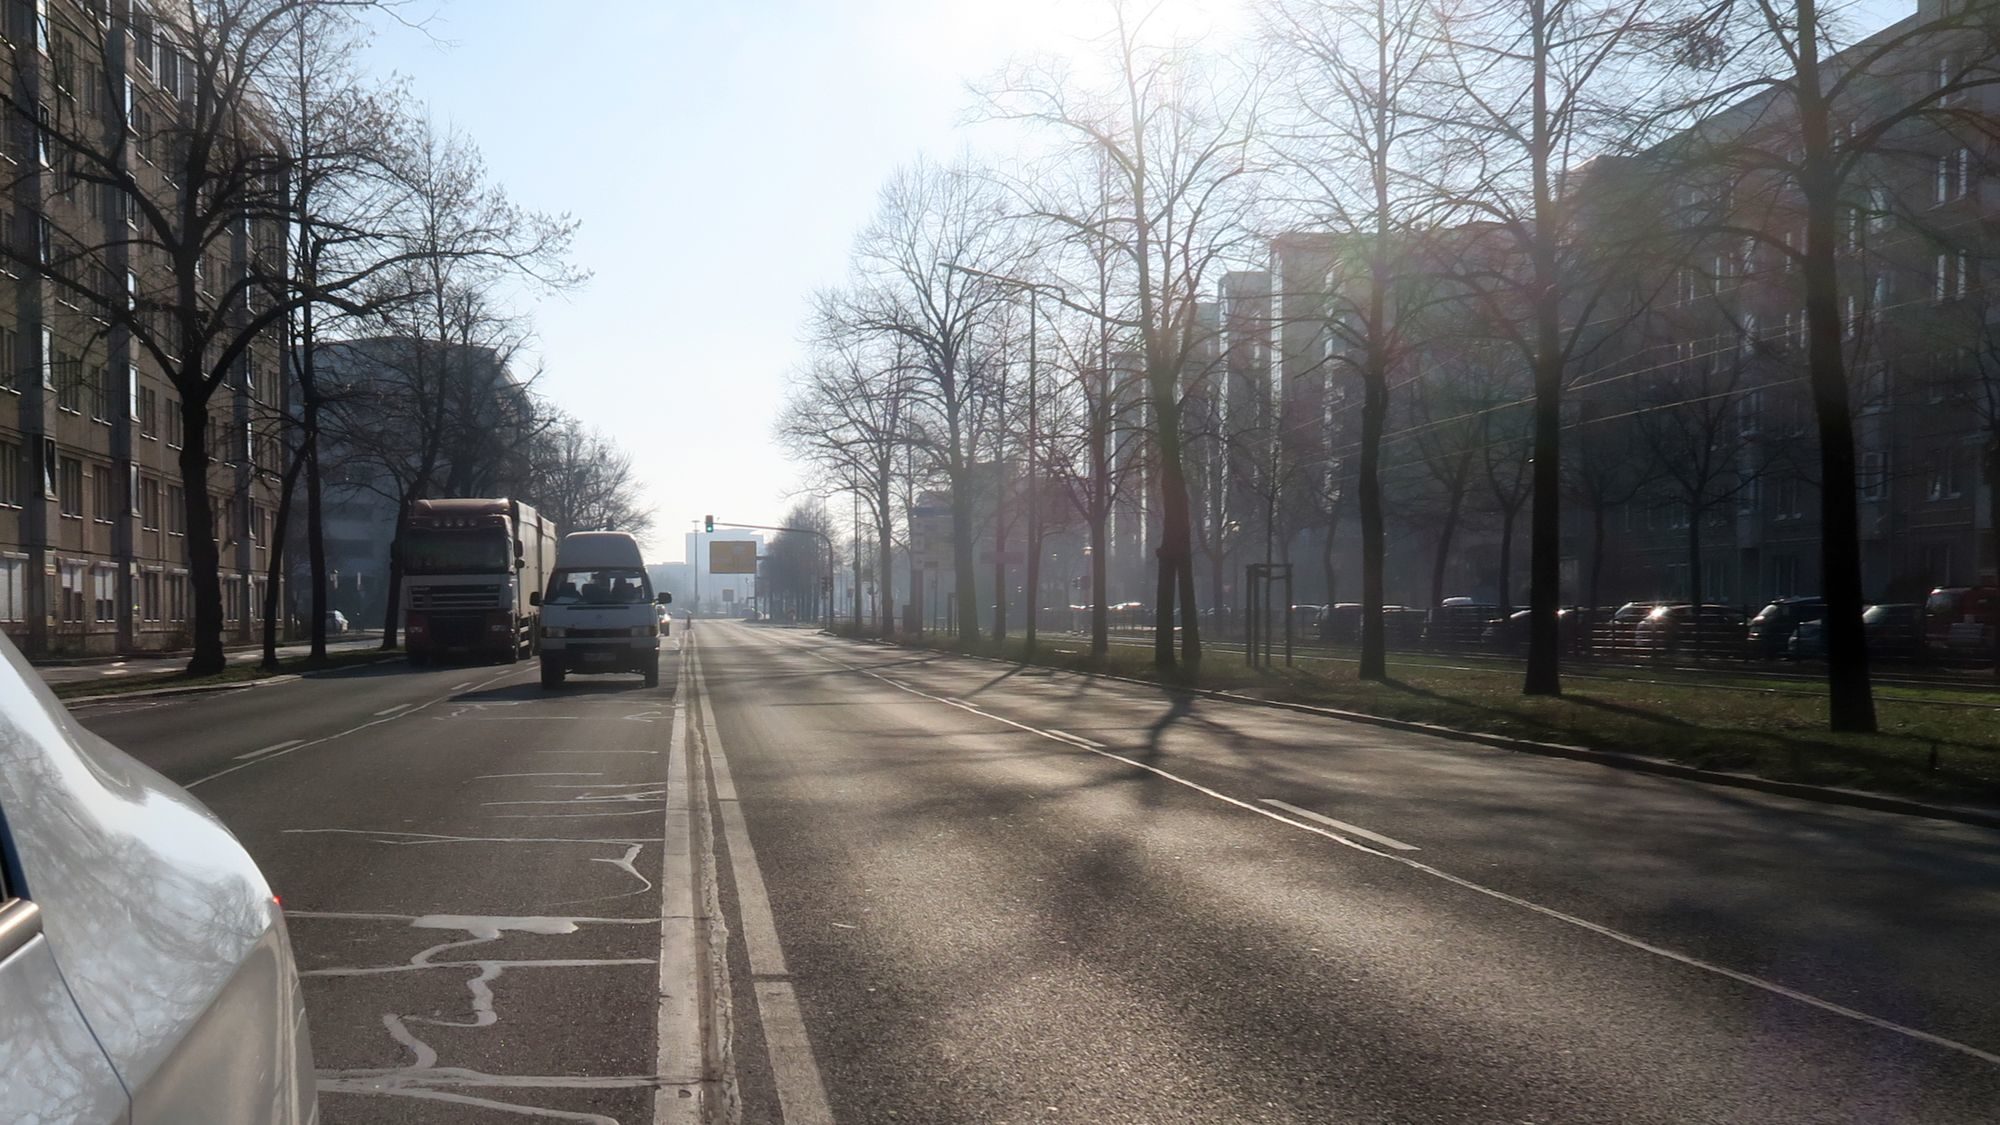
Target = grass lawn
(234,674)
(1942,746)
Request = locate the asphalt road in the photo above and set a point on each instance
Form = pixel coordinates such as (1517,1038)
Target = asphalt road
(905,887)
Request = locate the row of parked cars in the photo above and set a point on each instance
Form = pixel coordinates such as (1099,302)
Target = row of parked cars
(1953,623)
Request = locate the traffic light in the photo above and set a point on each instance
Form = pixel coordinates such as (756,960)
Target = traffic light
(709,524)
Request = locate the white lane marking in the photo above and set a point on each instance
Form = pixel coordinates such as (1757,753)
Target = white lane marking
(309,743)
(794,1069)
(461,687)
(550,773)
(1619,936)
(1076,739)
(681,1061)
(396,708)
(1351,829)
(413,839)
(271,749)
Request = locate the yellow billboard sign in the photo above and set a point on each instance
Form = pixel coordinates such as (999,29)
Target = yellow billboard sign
(732,556)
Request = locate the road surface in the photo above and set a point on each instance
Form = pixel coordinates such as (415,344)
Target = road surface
(809,880)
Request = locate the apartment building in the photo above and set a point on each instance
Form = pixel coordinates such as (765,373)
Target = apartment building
(93,526)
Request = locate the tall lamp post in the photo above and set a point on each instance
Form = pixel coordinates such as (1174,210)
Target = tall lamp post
(1034,290)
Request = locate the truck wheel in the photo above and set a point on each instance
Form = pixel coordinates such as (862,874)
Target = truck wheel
(652,671)
(552,673)
(512,655)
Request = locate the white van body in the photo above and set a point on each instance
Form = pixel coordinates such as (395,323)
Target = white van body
(597,613)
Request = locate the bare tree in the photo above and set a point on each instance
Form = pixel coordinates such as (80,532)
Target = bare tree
(582,480)
(924,276)
(1172,143)
(845,416)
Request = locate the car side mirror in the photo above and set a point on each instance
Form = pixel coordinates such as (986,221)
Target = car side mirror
(665,599)
(520,564)
(534,597)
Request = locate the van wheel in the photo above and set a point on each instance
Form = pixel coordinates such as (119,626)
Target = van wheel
(652,671)
(552,673)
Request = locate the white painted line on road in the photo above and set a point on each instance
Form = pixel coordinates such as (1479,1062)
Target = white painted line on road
(794,1069)
(1074,739)
(309,743)
(396,708)
(461,687)
(271,749)
(680,1063)
(1619,936)
(1352,829)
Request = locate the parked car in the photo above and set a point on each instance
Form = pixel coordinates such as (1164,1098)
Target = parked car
(1403,626)
(145,970)
(1808,641)
(1770,632)
(1621,629)
(1305,622)
(1340,623)
(336,623)
(1510,633)
(1676,630)
(1959,621)
(1458,623)
(1895,631)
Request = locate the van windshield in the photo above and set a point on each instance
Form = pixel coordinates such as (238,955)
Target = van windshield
(607,586)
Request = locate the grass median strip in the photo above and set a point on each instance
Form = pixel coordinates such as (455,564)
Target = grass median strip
(236,674)
(1927,748)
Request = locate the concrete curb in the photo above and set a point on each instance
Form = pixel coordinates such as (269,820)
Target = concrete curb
(206,689)
(1824,794)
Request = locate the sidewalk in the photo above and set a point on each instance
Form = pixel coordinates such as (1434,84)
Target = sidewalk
(150,665)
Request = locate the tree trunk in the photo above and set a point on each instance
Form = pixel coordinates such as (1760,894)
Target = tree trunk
(1850,692)
(1445,535)
(885,580)
(1694,579)
(966,596)
(1100,618)
(1507,517)
(1374,410)
(1597,513)
(274,573)
(204,549)
(1993,524)
(1544,675)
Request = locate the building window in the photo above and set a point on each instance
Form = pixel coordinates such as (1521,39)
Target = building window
(11,464)
(1945,483)
(149,504)
(1874,475)
(69,490)
(100,393)
(1787,498)
(149,596)
(72,582)
(11,370)
(177,597)
(149,409)
(103,494)
(1784,576)
(176,510)
(104,594)
(176,425)
(13,590)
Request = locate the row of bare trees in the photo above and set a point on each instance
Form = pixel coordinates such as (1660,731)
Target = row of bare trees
(278,207)
(1514,190)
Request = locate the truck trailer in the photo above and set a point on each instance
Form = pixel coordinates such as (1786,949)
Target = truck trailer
(470,570)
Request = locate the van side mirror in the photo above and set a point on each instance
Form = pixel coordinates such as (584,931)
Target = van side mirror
(665,599)
(534,597)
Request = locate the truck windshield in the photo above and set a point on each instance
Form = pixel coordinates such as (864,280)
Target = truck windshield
(482,551)
(609,586)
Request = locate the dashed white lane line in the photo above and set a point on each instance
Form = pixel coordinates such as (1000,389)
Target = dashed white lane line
(271,749)
(1350,829)
(397,707)
(461,687)
(1604,931)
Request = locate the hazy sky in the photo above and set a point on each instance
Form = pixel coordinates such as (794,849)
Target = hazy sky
(720,154)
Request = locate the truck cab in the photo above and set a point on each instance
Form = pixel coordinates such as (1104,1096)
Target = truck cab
(598,612)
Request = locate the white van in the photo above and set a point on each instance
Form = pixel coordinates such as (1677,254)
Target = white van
(597,614)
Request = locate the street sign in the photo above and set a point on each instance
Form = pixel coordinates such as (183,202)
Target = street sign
(728,595)
(732,556)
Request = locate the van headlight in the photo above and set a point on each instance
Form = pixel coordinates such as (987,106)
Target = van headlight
(645,630)
(554,631)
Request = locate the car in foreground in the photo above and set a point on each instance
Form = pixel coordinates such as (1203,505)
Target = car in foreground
(145,971)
